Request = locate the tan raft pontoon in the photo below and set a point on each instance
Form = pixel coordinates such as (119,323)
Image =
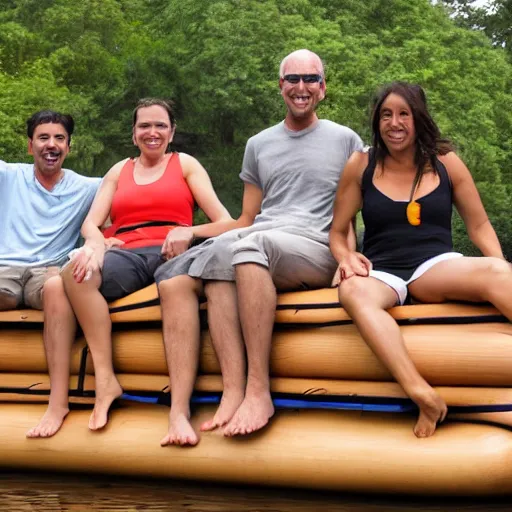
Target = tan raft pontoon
(464,350)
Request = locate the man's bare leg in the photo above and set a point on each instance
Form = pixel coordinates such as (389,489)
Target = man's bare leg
(91,310)
(256,305)
(181,329)
(59,334)
(226,335)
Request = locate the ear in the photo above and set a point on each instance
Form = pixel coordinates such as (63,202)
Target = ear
(281,81)
(323,89)
(173,131)
(30,148)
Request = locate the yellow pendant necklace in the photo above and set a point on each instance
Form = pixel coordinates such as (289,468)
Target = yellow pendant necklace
(414,208)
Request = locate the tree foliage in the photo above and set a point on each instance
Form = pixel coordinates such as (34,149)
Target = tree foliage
(494,19)
(218,61)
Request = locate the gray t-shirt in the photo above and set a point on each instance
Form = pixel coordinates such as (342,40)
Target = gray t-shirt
(298,173)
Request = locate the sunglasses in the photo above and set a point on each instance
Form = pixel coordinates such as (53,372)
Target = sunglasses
(307,79)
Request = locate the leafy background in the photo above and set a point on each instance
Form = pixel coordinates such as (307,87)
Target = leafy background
(218,61)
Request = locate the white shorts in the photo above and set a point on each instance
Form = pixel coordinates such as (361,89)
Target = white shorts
(400,285)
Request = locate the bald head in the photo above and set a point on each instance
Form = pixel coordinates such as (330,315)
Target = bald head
(304,56)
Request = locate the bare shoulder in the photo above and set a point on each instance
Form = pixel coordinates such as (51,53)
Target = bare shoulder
(454,165)
(356,165)
(189,164)
(451,158)
(114,172)
(358,159)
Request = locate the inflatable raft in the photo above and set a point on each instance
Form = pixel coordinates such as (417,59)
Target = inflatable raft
(318,362)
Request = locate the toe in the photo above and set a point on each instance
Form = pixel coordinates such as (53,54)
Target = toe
(208,425)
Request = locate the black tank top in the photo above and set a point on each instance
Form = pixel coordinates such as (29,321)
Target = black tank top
(390,242)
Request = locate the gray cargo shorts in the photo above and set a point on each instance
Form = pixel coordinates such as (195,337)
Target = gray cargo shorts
(295,261)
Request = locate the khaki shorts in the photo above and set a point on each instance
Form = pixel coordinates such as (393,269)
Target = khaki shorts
(25,284)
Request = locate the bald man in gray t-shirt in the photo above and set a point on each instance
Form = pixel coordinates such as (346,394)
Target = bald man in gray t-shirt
(280,242)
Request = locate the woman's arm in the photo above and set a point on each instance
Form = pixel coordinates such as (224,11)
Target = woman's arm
(469,205)
(90,258)
(180,238)
(346,205)
(204,194)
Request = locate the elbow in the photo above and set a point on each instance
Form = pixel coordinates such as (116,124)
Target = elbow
(476,232)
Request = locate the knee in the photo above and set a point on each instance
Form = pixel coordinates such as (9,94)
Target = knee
(53,291)
(7,300)
(178,287)
(53,286)
(497,275)
(353,292)
(70,284)
(499,268)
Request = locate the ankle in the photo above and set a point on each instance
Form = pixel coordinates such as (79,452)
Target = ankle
(58,405)
(258,392)
(233,389)
(177,411)
(420,392)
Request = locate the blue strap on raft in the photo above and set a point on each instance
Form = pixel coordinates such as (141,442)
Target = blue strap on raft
(332,402)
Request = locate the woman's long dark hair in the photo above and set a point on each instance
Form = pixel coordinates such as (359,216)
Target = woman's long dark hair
(429,142)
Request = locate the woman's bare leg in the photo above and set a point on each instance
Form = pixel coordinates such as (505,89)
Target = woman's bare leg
(91,310)
(366,299)
(469,279)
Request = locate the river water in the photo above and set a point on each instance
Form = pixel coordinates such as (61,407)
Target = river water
(32,492)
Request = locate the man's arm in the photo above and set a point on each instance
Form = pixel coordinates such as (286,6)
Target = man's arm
(251,206)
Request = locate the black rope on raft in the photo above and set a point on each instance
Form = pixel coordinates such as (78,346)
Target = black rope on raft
(82,370)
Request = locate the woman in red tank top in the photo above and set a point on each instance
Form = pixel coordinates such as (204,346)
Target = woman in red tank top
(150,201)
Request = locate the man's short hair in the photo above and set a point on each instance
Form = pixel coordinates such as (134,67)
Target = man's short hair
(50,116)
(149,102)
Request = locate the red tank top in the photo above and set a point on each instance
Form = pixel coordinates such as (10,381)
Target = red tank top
(168,199)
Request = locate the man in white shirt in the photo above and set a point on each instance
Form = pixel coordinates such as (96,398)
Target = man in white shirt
(42,207)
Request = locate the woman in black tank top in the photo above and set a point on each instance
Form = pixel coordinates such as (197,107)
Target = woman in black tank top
(406,186)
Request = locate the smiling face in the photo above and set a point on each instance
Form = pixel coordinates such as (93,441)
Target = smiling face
(49,145)
(396,124)
(152,131)
(301,98)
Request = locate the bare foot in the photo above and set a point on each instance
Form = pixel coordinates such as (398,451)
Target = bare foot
(180,431)
(433,410)
(229,404)
(252,415)
(50,423)
(106,393)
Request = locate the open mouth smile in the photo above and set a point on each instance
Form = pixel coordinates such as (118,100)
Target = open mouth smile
(300,101)
(52,157)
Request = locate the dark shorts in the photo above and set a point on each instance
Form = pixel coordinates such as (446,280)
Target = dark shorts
(127,270)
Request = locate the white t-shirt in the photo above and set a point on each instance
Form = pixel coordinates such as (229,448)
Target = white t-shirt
(39,227)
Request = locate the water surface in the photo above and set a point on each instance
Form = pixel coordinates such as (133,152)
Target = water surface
(27,492)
